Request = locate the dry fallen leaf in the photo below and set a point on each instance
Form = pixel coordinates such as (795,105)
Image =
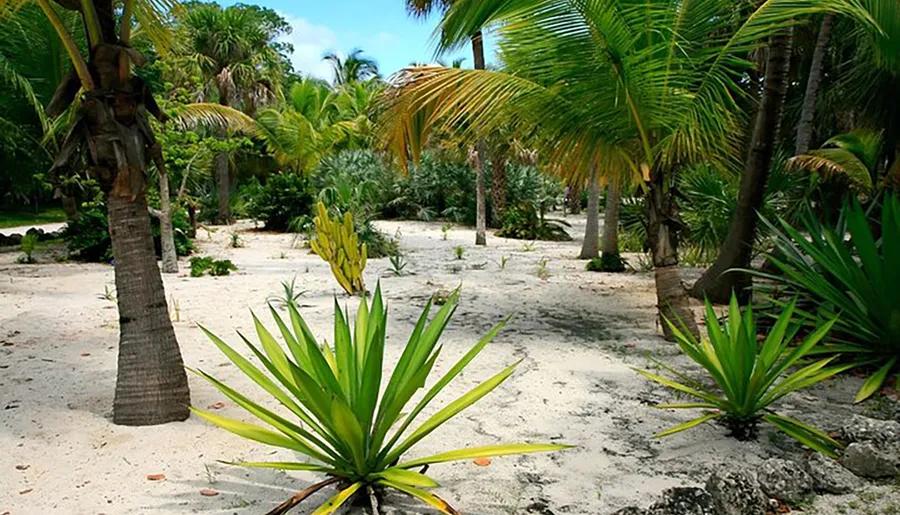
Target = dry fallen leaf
(482,462)
(23,492)
(22,467)
(217,405)
(156,477)
(207,492)
(85,354)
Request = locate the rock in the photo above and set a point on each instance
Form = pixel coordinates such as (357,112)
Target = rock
(829,476)
(871,460)
(784,480)
(736,492)
(684,501)
(631,510)
(13,240)
(864,429)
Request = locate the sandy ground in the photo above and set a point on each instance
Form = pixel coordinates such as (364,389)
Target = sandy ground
(578,334)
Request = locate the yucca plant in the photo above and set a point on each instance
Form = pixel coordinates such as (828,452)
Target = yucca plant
(342,429)
(857,280)
(749,377)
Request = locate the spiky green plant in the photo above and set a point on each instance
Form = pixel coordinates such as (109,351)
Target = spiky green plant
(28,246)
(459,251)
(398,265)
(749,377)
(289,295)
(332,392)
(856,281)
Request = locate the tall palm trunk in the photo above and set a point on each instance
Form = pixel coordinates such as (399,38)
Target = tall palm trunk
(610,260)
(804,128)
(672,300)
(736,251)
(590,248)
(166,234)
(573,201)
(223,180)
(498,190)
(480,201)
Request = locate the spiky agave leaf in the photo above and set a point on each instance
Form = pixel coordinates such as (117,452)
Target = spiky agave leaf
(333,391)
(749,376)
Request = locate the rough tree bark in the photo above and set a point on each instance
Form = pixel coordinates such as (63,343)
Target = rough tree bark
(573,201)
(590,248)
(807,115)
(111,133)
(610,260)
(498,190)
(166,233)
(480,201)
(736,252)
(663,227)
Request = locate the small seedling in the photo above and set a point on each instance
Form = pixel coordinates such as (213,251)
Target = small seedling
(398,264)
(541,271)
(503,261)
(201,265)
(108,294)
(283,255)
(398,234)
(289,296)
(441,296)
(176,310)
(445,229)
(528,246)
(236,241)
(28,246)
(459,251)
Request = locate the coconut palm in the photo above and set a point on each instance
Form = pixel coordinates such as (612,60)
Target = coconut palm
(352,69)
(655,83)
(234,49)
(422,9)
(110,136)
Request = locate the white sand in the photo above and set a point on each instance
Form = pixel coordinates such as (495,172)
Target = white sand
(578,333)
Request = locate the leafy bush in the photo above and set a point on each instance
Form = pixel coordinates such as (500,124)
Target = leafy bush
(28,246)
(341,424)
(606,263)
(215,267)
(856,281)
(284,197)
(523,222)
(749,378)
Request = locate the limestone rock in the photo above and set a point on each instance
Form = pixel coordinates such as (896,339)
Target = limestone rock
(736,492)
(864,429)
(829,476)
(684,501)
(871,460)
(631,510)
(784,480)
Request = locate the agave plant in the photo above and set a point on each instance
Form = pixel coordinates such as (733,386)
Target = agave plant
(857,280)
(749,377)
(342,429)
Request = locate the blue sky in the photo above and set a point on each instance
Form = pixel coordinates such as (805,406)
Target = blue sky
(380,27)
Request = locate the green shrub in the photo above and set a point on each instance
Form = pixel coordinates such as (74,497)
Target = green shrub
(335,419)
(28,246)
(284,197)
(607,263)
(523,222)
(749,377)
(856,281)
(215,267)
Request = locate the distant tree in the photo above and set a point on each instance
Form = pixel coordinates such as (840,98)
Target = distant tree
(353,68)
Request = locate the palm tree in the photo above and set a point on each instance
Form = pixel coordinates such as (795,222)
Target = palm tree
(110,136)
(353,68)
(421,9)
(653,84)
(814,80)
(234,49)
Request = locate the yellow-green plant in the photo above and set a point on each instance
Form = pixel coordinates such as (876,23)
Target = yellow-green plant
(336,418)
(337,243)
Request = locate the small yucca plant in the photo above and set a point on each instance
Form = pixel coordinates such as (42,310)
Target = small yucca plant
(749,376)
(342,429)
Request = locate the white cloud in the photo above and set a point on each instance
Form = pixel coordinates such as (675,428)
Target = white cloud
(310,42)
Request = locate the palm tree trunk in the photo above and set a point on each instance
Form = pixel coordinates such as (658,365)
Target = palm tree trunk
(573,201)
(498,190)
(610,260)
(151,387)
(590,247)
(672,300)
(223,179)
(480,201)
(804,128)
(166,234)
(736,251)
